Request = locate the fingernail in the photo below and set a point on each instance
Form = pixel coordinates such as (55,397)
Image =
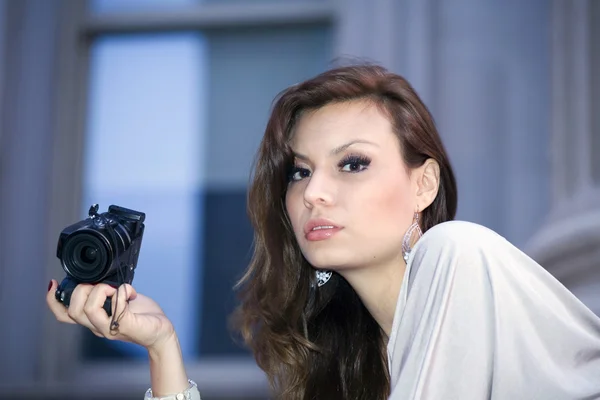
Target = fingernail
(50,286)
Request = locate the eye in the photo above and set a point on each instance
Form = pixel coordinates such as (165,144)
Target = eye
(297,174)
(354,163)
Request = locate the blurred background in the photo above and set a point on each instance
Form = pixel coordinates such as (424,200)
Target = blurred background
(159,106)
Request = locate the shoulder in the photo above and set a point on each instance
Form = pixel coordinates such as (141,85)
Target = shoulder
(461,236)
(460,230)
(460,246)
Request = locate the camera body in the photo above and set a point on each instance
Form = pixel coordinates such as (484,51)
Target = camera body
(103,248)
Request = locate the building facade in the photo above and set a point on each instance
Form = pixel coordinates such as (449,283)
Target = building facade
(104,95)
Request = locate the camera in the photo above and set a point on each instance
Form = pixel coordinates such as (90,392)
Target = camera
(103,248)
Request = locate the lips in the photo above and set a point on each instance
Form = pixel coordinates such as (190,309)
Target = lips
(320,229)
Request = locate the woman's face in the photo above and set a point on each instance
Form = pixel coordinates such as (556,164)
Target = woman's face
(350,197)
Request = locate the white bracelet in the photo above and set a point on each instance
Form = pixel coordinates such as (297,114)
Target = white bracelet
(187,394)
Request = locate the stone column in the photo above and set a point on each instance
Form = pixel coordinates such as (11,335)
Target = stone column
(27,67)
(398,34)
(568,244)
(39,161)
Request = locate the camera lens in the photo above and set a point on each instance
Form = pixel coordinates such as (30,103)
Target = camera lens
(85,257)
(88,255)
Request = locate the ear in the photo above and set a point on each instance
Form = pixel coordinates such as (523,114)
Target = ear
(428,183)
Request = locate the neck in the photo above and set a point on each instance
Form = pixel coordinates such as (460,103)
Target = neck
(378,287)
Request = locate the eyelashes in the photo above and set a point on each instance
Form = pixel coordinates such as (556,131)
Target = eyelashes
(356,162)
(297,173)
(352,163)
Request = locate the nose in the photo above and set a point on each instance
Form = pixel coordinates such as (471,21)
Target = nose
(318,191)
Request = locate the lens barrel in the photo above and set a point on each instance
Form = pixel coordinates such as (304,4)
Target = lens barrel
(87,256)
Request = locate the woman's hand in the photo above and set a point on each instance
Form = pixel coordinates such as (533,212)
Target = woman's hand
(140,319)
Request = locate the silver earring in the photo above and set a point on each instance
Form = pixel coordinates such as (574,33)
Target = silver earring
(323,277)
(412,229)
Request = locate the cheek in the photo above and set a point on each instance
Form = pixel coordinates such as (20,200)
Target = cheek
(292,206)
(390,206)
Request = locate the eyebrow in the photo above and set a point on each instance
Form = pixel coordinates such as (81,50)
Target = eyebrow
(338,149)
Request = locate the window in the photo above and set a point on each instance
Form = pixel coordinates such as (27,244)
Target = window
(144,151)
(174,121)
(119,6)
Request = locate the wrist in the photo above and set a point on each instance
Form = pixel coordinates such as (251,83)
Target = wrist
(164,347)
(167,370)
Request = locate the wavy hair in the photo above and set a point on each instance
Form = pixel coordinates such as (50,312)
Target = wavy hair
(322,343)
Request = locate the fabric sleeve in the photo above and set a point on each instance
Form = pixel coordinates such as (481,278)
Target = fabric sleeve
(191,393)
(484,321)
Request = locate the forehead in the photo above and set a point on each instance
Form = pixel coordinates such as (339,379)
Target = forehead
(337,123)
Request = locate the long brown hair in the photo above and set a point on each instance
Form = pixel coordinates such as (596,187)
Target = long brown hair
(322,343)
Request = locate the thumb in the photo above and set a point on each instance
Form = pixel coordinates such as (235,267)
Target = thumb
(130,292)
(121,298)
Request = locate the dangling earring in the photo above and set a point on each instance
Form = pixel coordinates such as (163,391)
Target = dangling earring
(323,277)
(412,229)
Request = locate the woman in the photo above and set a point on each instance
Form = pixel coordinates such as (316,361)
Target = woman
(346,297)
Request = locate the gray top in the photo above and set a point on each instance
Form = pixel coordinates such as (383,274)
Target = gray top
(476,318)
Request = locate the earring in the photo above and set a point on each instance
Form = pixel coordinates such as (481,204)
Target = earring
(412,229)
(323,277)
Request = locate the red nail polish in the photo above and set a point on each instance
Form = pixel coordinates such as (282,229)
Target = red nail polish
(50,286)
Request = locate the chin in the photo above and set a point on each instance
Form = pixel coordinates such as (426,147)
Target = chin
(329,259)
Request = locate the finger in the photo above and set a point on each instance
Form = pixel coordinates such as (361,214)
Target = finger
(79,298)
(93,307)
(95,332)
(120,303)
(61,312)
(57,308)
